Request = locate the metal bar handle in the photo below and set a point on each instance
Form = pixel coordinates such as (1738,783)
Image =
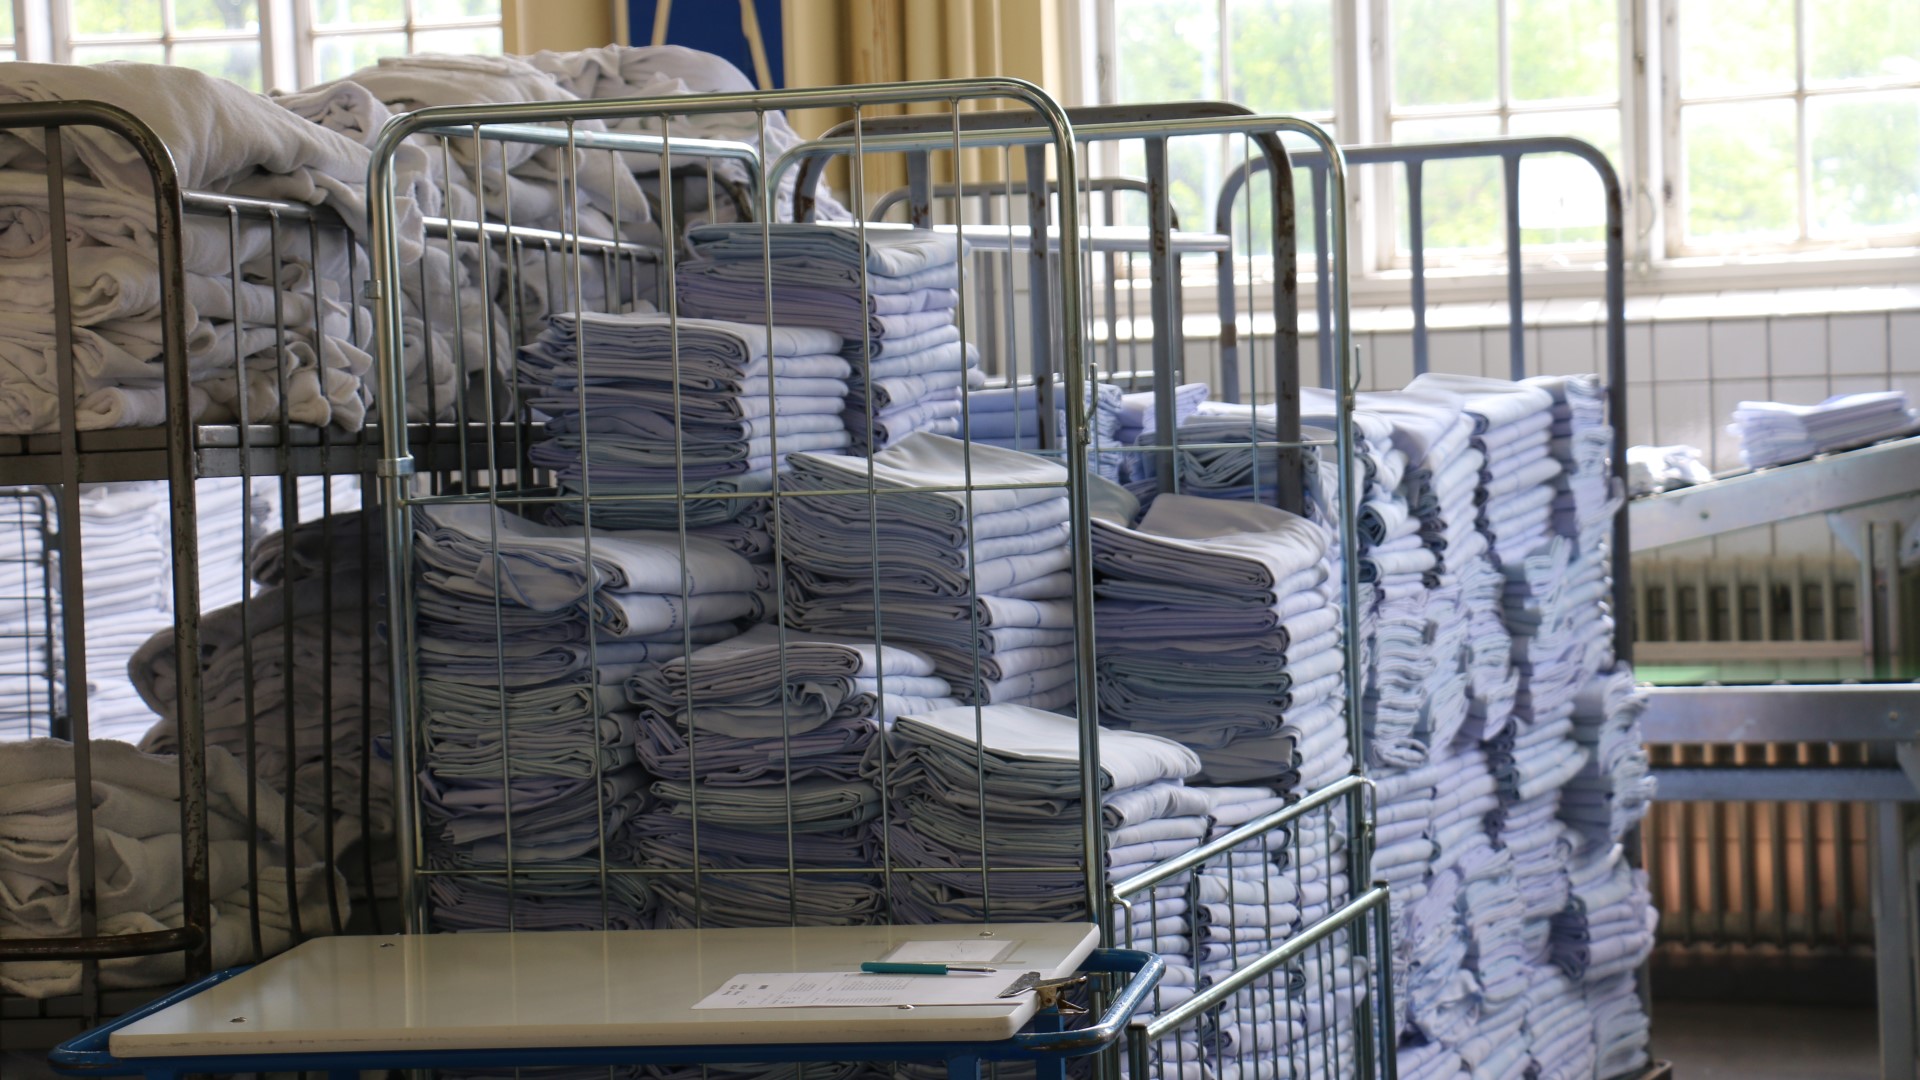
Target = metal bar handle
(1147,968)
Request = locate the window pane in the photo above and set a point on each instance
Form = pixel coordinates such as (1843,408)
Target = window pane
(1562,200)
(1736,46)
(1740,172)
(8,55)
(100,54)
(1863,39)
(1463,201)
(336,57)
(1282,52)
(197,16)
(1444,52)
(6,23)
(484,40)
(235,60)
(357,12)
(1866,162)
(92,18)
(1563,49)
(1169,50)
(445,10)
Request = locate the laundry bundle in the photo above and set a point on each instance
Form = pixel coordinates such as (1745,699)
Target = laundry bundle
(1774,433)
(1620,1025)
(1606,928)
(643,71)
(526,637)
(1512,429)
(1011,417)
(1559,1031)
(902,545)
(1653,469)
(1140,412)
(1612,793)
(890,291)
(1554,605)
(285,329)
(760,740)
(645,405)
(137,868)
(1228,450)
(293,682)
(1585,499)
(1002,783)
(1216,627)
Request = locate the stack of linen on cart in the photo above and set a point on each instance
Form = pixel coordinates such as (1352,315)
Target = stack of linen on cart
(531,748)
(1512,425)
(762,738)
(662,409)
(1232,453)
(222,138)
(297,656)
(1012,417)
(1773,433)
(889,291)
(1002,783)
(1217,627)
(1140,426)
(136,822)
(124,540)
(977,580)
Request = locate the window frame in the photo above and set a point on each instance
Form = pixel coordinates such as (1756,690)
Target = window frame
(1674,104)
(310,34)
(59,15)
(1650,165)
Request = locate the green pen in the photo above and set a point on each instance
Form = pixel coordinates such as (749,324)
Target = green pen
(881,967)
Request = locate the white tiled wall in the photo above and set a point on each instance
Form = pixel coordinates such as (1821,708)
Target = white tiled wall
(1684,375)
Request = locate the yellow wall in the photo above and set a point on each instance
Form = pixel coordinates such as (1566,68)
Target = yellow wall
(532,25)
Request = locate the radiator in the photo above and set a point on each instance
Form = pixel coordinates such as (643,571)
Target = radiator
(1791,875)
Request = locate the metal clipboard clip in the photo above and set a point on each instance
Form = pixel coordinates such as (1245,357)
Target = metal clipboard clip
(1048,991)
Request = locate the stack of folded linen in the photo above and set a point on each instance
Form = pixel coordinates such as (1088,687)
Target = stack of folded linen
(978,580)
(124,540)
(1493,914)
(1441,478)
(647,405)
(1554,608)
(1583,444)
(1532,764)
(1620,1025)
(136,821)
(335,690)
(540,902)
(219,505)
(1513,428)
(1403,816)
(1009,417)
(1559,1030)
(1216,626)
(1443,996)
(1139,426)
(1232,455)
(224,139)
(1299,1023)
(578,615)
(1026,765)
(890,291)
(1606,928)
(733,730)
(31,682)
(1608,797)
(1774,433)
(1429,1061)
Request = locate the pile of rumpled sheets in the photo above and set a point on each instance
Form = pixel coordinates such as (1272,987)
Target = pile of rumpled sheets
(1774,433)
(890,291)
(642,405)
(531,751)
(1217,627)
(136,823)
(297,653)
(978,580)
(762,738)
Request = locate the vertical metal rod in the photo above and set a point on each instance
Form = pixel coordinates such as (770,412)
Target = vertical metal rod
(1289,491)
(1322,292)
(251,741)
(1516,328)
(1417,244)
(1039,284)
(1162,310)
(1893,940)
(920,189)
(73,581)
